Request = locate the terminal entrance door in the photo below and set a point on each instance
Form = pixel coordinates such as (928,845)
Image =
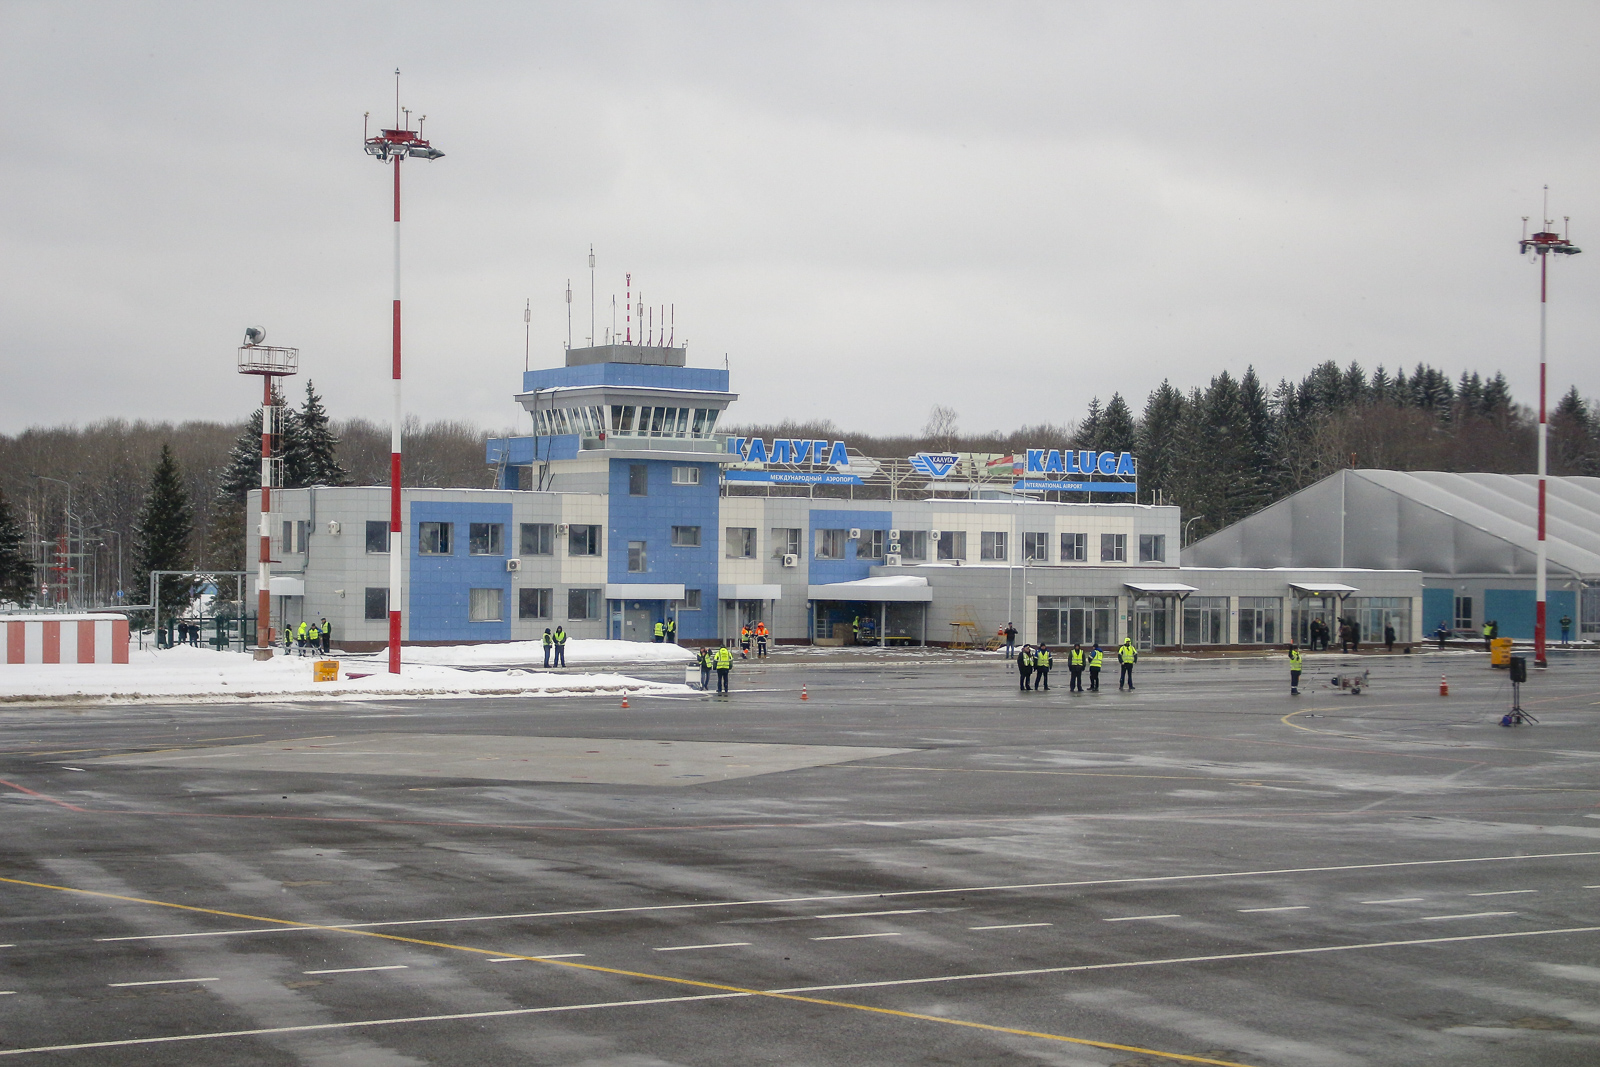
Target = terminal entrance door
(638,620)
(1149,624)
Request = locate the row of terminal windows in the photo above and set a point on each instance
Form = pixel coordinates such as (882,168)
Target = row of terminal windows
(913,546)
(626,420)
(539,538)
(489,605)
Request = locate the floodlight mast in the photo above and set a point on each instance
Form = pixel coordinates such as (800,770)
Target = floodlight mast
(393,146)
(1543,244)
(269,362)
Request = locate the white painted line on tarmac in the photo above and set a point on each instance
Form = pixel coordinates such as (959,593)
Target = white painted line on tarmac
(8,946)
(1009,926)
(851,937)
(863,914)
(1473,915)
(8,992)
(1503,893)
(162,981)
(1010,888)
(1395,900)
(1290,907)
(359,970)
(688,948)
(1267,954)
(1136,918)
(314,1027)
(552,956)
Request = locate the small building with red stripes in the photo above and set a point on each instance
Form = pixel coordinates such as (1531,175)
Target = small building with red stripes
(95,638)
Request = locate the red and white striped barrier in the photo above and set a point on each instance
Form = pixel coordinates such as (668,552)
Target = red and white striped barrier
(65,638)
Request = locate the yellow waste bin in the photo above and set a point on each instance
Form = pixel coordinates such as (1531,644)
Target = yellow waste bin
(327,670)
(1500,652)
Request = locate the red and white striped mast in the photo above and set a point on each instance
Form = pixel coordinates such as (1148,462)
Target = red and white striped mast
(393,146)
(270,363)
(1542,245)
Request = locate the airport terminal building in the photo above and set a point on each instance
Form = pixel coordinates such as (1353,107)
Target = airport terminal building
(628,506)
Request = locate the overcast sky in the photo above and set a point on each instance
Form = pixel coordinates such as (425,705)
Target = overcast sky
(869,208)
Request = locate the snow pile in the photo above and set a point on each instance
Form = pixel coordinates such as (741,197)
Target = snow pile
(188,673)
(516,653)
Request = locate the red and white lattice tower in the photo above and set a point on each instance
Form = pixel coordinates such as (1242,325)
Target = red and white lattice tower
(1542,245)
(269,363)
(392,146)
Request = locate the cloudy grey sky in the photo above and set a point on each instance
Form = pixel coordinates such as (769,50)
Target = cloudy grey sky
(870,208)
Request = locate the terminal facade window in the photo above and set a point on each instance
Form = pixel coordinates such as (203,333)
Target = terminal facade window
(486,605)
(1463,613)
(486,539)
(952,544)
(830,543)
(685,475)
(377,602)
(1205,620)
(1083,620)
(787,541)
(1152,548)
(583,540)
(914,545)
(740,542)
(295,535)
(538,539)
(534,603)
(583,604)
(992,545)
(638,562)
(1036,547)
(1258,620)
(1113,548)
(1373,613)
(1074,547)
(690,601)
(686,537)
(434,539)
(377,537)
(871,544)
(638,479)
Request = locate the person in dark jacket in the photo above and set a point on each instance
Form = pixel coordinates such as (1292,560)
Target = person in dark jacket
(1025,666)
(1077,659)
(1041,667)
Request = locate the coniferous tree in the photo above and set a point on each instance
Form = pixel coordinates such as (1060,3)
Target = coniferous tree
(1089,429)
(309,453)
(242,472)
(1116,431)
(1258,417)
(1157,440)
(162,537)
(16,567)
(1574,437)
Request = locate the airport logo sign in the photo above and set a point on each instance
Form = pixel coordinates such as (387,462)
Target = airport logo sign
(934,464)
(787,450)
(1055,461)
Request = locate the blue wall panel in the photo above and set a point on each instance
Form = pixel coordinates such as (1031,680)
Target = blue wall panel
(849,569)
(650,519)
(643,375)
(1438,605)
(437,597)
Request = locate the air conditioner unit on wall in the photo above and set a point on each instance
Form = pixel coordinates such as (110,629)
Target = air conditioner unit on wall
(561,528)
(791,560)
(933,535)
(894,535)
(892,559)
(855,534)
(513,564)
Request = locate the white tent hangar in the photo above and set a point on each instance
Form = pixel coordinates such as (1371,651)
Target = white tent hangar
(1472,536)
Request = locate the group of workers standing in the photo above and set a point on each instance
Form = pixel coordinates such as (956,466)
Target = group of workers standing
(308,637)
(760,633)
(719,659)
(1034,663)
(557,643)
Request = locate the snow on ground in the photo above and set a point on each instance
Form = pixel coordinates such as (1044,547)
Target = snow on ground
(579,653)
(200,674)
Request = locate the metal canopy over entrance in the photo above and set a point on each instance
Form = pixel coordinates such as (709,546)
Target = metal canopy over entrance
(892,609)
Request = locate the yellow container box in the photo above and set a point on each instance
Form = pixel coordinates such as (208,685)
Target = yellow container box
(1500,652)
(327,670)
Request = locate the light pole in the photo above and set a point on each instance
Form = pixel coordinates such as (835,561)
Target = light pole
(269,362)
(64,562)
(1187,523)
(393,146)
(1542,245)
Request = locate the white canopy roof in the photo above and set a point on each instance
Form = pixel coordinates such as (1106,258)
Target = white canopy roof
(891,587)
(1322,587)
(643,591)
(1160,587)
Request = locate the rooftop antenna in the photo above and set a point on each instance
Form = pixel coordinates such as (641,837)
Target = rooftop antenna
(569,314)
(652,339)
(674,326)
(611,334)
(629,282)
(397,97)
(527,330)
(591,296)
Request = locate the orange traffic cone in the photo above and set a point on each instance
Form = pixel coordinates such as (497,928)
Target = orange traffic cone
(1444,686)
(624,701)
(803,692)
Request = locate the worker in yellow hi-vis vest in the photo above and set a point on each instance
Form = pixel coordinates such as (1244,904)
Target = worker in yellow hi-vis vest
(1127,655)
(1097,659)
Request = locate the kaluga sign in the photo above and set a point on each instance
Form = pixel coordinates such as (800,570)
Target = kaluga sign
(789,450)
(1054,461)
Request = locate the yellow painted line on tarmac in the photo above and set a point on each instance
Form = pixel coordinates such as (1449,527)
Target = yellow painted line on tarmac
(694,983)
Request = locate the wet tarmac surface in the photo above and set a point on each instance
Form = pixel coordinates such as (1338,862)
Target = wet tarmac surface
(942,869)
